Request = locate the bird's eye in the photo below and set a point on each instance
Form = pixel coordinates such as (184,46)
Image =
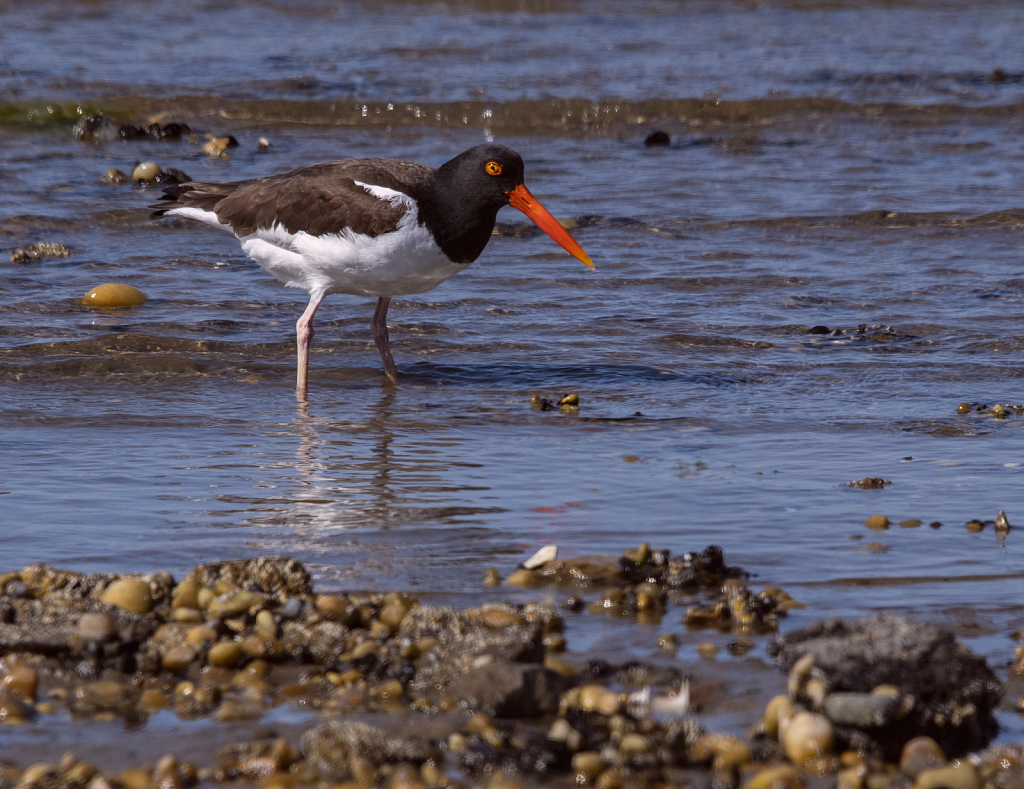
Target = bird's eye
(493,168)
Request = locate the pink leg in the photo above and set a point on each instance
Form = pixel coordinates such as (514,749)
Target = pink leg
(303,334)
(379,327)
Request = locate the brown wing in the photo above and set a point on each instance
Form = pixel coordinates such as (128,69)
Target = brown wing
(320,199)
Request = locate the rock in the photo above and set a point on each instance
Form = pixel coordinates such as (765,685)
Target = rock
(919,754)
(146,172)
(96,627)
(219,146)
(225,654)
(877,522)
(862,710)
(271,575)
(463,640)
(950,691)
(778,777)
(808,736)
(33,253)
(329,748)
(962,776)
(114,294)
(131,594)
(657,139)
(23,682)
(510,690)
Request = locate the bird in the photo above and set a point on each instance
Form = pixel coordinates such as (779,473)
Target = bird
(376,228)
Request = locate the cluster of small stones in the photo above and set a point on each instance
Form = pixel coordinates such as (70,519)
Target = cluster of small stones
(1001,525)
(997,411)
(33,253)
(97,128)
(500,703)
(643,581)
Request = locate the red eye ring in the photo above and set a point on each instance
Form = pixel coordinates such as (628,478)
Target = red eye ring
(492,168)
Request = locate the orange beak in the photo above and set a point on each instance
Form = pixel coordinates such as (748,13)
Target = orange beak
(521,198)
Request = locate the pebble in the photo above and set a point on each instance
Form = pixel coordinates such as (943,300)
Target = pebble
(337,609)
(877,522)
(779,777)
(131,594)
(178,658)
(103,693)
(266,625)
(136,778)
(920,754)
(634,743)
(185,595)
(39,772)
(707,650)
(669,642)
(146,172)
(962,776)
(113,294)
(95,627)
(657,139)
(963,408)
(201,635)
(492,577)
(1002,523)
(588,764)
(114,176)
(13,709)
(234,604)
(219,146)
(725,751)
(808,736)
(225,654)
(595,698)
(770,720)
(910,523)
(22,682)
(191,616)
(799,673)
(524,579)
(975,526)
(862,710)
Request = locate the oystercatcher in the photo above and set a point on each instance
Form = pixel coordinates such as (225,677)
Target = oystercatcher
(368,227)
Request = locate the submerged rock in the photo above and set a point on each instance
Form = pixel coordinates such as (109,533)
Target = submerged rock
(329,749)
(941,688)
(33,253)
(511,690)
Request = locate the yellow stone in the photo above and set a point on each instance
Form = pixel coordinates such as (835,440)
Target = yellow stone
(136,778)
(23,682)
(131,594)
(225,654)
(780,777)
(877,522)
(962,776)
(114,294)
(146,171)
(808,736)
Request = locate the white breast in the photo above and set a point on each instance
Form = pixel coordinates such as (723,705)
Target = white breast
(399,263)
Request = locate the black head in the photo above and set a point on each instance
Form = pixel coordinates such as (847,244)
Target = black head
(464,196)
(484,175)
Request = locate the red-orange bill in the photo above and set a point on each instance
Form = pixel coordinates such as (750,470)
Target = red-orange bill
(528,204)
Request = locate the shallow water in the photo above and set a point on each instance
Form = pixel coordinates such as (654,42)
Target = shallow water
(833,164)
